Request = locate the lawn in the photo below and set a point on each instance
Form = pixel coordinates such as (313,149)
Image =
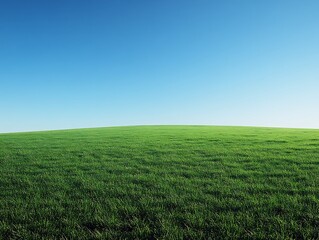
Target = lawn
(160,182)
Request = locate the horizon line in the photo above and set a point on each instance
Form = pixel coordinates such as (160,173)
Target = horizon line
(157,125)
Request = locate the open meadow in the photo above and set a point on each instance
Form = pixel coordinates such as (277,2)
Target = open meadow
(160,182)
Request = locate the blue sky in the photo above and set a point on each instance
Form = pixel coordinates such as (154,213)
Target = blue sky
(73,64)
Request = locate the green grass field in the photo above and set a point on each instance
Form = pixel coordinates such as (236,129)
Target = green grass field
(160,182)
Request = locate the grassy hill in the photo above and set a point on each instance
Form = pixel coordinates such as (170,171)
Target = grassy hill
(160,182)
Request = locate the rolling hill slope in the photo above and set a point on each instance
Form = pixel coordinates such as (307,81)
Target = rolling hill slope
(160,182)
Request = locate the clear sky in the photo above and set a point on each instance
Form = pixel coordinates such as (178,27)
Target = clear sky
(73,64)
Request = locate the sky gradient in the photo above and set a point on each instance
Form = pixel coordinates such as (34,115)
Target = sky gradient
(73,64)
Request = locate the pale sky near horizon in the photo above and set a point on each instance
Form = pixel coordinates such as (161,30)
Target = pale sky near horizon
(78,64)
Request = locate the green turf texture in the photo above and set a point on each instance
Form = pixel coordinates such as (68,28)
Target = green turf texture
(160,182)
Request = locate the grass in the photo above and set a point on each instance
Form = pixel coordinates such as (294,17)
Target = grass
(160,182)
